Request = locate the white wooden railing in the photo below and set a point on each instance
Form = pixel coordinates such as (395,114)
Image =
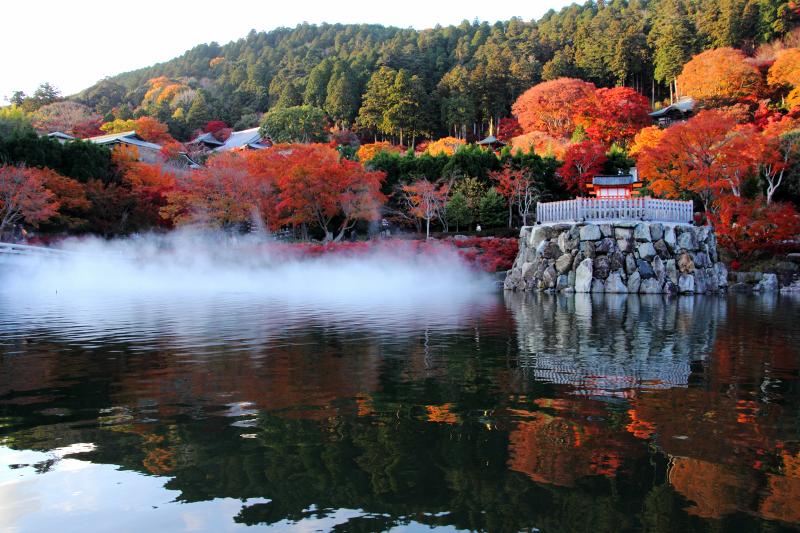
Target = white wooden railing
(593,209)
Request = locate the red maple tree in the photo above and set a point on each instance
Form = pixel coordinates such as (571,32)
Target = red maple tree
(582,161)
(613,115)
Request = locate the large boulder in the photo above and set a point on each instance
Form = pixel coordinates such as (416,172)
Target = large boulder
(669,237)
(687,240)
(566,242)
(646,251)
(617,261)
(605,246)
(538,235)
(768,283)
(583,276)
(590,232)
(651,286)
(602,266)
(662,249)
(549,278)
(722,275)
(685,263)
(672,271)
(634,282)
(625,245)
(659,269)
(598,286)
(623,233)
(614,283)
(551,251)
(564,263)
(656,231)
(642,232)
(630,264)
(645,270)
(686,284)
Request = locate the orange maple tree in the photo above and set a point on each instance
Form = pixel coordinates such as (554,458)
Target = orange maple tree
(647,137)
(367,152)
(316,186)
(549,107)
(230,190)
(785,71)
(720,76)
(24,197)
(73,205)
(690,158)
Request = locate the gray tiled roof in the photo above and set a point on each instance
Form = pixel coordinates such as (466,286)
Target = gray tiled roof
(625,179)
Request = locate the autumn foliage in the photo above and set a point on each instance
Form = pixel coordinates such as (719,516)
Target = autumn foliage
(367,152)
(445,145)
(613,115)
(24,196)
(720,76)
(286,185)
(550,107)
(744,226)
(582,161)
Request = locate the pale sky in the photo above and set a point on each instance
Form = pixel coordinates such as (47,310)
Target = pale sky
(73,44)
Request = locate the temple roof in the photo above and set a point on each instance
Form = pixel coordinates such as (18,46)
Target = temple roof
(623,179)
(683,106)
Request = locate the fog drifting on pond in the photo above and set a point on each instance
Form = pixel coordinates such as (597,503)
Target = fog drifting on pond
(196,277)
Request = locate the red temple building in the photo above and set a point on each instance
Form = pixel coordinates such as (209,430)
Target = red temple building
(617,186)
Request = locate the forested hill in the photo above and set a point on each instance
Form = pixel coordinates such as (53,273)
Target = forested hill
(450,77)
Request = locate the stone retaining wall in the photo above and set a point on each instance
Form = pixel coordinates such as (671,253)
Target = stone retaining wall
(618,257)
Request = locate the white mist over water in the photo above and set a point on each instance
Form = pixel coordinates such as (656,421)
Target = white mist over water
(200,284)
(197,263)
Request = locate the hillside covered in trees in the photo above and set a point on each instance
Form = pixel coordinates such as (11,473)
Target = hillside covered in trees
(445,80)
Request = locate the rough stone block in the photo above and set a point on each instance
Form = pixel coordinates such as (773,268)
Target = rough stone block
(590,232)
(656,231)
(564,263)
(646,251)
(623,233)
(645,270)
(602,266)
(642,232)
(686,284)
(614,283)
(651,286)
(583,276)
(598,286)
(634,282)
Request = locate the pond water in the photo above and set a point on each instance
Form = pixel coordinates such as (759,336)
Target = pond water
(499,412)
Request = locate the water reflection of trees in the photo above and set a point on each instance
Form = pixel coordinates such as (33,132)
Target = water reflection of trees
(459,423)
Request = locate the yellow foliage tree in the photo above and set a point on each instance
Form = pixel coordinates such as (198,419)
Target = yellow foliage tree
(786,69)
(445,145)
(367,152)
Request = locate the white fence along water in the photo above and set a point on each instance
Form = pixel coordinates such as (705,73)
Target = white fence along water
(596,209)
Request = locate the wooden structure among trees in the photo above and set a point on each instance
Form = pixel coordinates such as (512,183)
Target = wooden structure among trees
(602,209)
(617,186)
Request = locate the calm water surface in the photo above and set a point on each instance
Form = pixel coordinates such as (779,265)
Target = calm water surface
(500,413)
